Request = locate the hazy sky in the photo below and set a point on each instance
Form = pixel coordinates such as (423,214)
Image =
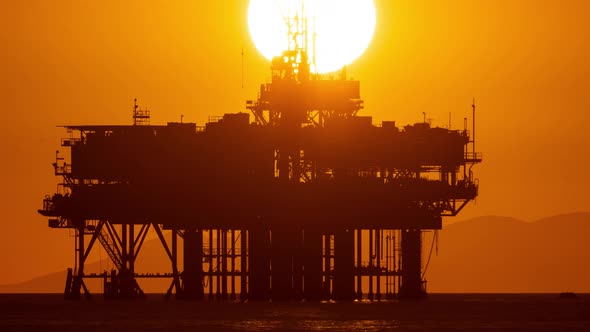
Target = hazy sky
(82,62)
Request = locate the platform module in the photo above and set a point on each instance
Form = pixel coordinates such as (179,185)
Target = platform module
(302,198)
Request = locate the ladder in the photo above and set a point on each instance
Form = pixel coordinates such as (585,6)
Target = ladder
(108,247)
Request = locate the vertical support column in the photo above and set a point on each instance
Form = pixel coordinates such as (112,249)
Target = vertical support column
(210,264)
(359,264)
(224,264)
(81,261)
(76,283)
(327,267)
(131,250)
(297,250)
(396,261)
(411,283)
(312,264)
(393,263)
(258,263)
(370,267)
(175,273)
(282,264)
(233,264)
(243,264)
(218,263)
(388,264)
(124,256)
(124,278)
(133,289)
(344,265)
(378,263)
(192,275)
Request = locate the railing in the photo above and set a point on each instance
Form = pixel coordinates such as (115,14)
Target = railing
(464,132)
(48,204)
(64,169)
(70,141)
(473,156)
(214,118)
(219,252)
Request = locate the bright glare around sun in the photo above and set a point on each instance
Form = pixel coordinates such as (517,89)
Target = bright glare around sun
(343,28)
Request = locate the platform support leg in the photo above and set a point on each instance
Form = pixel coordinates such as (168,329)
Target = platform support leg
(74,285)
(344,265)
(312,264)
(378,264)
(359,264)
(233,264)
(192,276)
(259,263)
(243,264)
(297,265)
(327,287)
(282,264)
(370,266)
(223,270)
(411,281)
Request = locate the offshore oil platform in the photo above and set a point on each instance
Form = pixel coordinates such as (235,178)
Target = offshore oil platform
(307,201)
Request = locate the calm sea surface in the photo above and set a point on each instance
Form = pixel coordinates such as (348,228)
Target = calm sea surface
(440,312)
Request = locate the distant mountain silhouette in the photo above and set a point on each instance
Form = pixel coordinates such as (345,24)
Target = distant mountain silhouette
(152,258)
(498,254)
(484,254)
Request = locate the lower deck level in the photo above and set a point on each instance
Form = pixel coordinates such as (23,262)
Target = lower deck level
(258,263)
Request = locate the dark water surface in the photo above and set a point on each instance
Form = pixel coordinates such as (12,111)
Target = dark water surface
(440,312)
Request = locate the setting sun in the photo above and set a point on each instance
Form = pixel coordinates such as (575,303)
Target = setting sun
(295,165)
(343,28)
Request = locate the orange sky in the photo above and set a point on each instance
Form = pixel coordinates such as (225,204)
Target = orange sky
(82,62)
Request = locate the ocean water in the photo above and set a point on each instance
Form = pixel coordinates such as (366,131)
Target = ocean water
(440,312)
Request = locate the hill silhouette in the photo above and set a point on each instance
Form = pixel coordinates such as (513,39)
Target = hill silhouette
(498,254)
(151,259)
(488,254)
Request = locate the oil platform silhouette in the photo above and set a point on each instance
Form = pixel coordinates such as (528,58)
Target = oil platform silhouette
(308,201)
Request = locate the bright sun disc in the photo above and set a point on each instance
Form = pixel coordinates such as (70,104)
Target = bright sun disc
(343,28)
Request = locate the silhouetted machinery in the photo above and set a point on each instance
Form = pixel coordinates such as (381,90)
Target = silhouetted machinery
(308,201)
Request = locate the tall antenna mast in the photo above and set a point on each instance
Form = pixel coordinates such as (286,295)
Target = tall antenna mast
(449,120)
(304,27)
(314,37)
(473,109)
(242,67)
